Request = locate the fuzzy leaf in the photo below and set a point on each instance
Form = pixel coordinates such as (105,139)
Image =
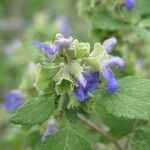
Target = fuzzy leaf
(132,100)
(34,111)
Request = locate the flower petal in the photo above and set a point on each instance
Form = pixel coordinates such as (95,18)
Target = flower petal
(116,61)
(111,82)
(109,43)
(80,93)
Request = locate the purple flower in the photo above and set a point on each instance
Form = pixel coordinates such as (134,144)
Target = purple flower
(13,99)
(52,49)
(63,26)
(87,83)
(129,3)
(109,43)
(111,82)
(50,129)
(49,49)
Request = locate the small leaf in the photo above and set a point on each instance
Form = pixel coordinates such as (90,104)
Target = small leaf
(34,111)
(96,55)
(66,139)
(132,100)
(141,140)
(81,49)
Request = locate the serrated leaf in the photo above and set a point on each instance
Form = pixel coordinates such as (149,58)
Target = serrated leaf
(140,140)
(66,139)
(132,100)
(34,111)
(118,126)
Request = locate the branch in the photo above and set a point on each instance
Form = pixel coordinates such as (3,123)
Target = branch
(93,126)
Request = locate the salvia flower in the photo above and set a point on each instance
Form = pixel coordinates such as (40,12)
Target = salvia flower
(110,80)
(13,99)
(50,129)
(86,83)
(109,43)
(49,49)
(63,26)
(129,4)
(53,48)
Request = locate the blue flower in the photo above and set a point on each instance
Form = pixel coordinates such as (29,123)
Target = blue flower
(49,49)
(109,43)
(129,3)
(63,26)
(87,83)
(53,48)
(13,99)
(111,82)
(50,129)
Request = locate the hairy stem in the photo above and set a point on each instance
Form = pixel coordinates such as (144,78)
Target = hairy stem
(101,131)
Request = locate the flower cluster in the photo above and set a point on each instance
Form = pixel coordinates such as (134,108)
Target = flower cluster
(80,77)
(88,80)
(53,48)
(13,99)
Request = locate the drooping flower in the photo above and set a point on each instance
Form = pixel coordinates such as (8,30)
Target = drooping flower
(109,43)
(63,26)
(129,4)
(13,99)
(87,83)
(110,80)
(50,129)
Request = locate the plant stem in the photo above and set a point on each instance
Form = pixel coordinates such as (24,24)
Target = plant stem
(129,138)
(93,126)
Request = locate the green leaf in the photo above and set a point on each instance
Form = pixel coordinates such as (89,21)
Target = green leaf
(145,22)
(142,7)
(64,80)
(44,77)
(132,100)
(143,33)
(81,49)
(34,111)
(118,126)
(140,140)
(66,139)
(101,20)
